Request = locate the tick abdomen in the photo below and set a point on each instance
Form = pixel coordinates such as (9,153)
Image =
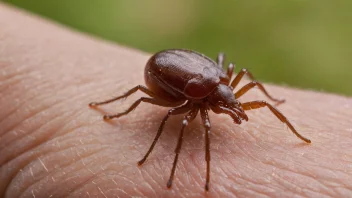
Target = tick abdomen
(189,73)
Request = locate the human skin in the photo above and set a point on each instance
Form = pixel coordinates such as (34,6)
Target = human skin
(53,145)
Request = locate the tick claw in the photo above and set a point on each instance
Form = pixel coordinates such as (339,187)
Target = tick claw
(92,104)
(280,102)
(107,117)
(307,140)
(169,183)
(141,162)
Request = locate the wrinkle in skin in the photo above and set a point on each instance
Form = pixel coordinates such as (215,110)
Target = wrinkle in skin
(58,169)
(33,118)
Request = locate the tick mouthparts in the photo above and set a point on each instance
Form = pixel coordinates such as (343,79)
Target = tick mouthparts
(241,114)
(236,119)
(245,117)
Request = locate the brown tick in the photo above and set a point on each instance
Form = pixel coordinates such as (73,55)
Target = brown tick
(190,82)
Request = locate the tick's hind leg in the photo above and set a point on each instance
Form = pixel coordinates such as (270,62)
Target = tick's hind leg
(135,104)
(250,85)
(206,124)
(276,112)
(129,92)
(230,70)
(188,118)
(174,111)
(220,59)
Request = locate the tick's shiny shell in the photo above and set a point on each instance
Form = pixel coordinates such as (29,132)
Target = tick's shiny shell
(175,73)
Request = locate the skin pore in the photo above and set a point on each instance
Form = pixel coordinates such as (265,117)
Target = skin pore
(53,144)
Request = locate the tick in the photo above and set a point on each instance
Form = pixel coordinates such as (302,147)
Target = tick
(190,82)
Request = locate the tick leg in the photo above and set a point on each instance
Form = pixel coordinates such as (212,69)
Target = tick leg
(230,70)
(276,112)
(188,118)
(135,104)
(252,84)
(239,76)
(174,111)
(129,92)
(220,59)
(206,124)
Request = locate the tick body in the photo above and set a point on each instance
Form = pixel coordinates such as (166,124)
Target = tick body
(190,82)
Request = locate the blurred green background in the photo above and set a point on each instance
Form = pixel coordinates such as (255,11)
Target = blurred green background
(301,43)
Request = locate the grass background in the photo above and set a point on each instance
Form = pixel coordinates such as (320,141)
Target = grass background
(301,43)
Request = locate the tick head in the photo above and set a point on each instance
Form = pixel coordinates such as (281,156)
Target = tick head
(223,98)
